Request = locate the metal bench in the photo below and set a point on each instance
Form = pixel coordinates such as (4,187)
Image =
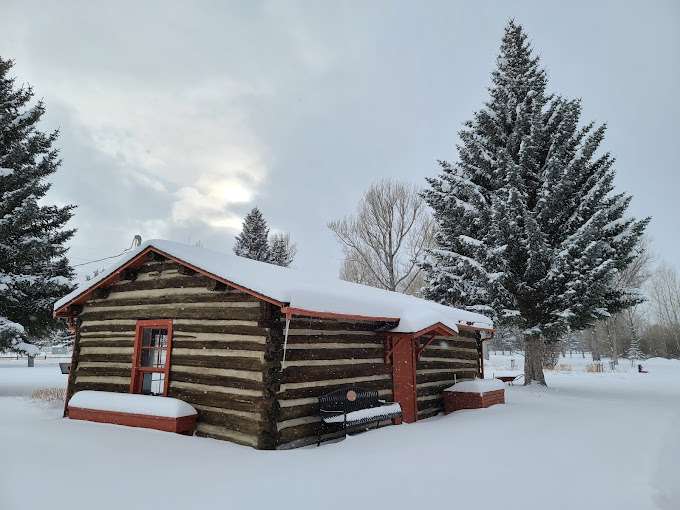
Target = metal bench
(352,406)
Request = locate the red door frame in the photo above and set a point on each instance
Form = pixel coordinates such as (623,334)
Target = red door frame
(137,371)
(404,387)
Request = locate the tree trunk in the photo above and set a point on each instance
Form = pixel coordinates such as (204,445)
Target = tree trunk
(595,346)
(533,360)
(611,340)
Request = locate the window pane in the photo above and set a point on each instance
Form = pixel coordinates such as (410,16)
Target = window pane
(153,384)
(154,358)
(154,337)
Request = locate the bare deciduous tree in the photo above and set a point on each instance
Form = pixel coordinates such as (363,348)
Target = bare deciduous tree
(386,237)
(664,293)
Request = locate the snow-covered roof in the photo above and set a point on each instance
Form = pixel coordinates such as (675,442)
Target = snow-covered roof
(298,289)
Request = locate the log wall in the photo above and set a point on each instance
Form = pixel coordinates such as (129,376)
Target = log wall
(220,342)
(443,362)
(227,355)
(322,356)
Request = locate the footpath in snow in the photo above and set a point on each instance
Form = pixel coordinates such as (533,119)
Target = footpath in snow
(591,441)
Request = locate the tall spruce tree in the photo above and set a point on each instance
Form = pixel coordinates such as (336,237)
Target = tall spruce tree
(253,241)
(34,271)
(529,229)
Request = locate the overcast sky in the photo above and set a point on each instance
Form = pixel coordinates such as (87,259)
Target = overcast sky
(178,117)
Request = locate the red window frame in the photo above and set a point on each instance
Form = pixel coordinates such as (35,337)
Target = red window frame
(138,371)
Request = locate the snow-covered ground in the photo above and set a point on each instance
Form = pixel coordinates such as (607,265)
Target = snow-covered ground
(591,441)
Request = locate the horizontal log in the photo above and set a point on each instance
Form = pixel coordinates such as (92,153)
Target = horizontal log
(249,375)
(182,343)
(217,432)
(210,380)
(96,379)
(237,328)
(453,362)
(339,337)
(103,371)
(433,390)
(429,413)
(158,267)
(161,307)
(333,354)
(450,353)
(310,430)
(422,378)
(281,425)
(305,374)
(214,399)
(423,365)
(118,388)
(329,324)
(182,312)
(161,283)
(307,391)
(225,353)
(335,363)
(117,299)
(246,415)
(235,363)
(219,337)
(239,393)
(105,342)
(231,422)
(94,364)
(106,350)
(114,358)
(290,413)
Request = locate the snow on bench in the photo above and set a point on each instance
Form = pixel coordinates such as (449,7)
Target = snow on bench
(147,411)
(356,417)
(477,386)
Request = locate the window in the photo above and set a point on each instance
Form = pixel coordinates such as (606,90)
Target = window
(151,358)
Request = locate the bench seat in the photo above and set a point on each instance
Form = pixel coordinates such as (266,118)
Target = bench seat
(361,416)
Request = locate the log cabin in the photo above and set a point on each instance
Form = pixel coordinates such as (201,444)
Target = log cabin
(252,346)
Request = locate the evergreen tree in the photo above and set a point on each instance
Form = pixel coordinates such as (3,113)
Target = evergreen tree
(34,271)
(634,351)
(253,241)
(282,250)
(528,227)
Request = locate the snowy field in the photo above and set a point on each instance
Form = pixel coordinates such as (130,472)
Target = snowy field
(591,441)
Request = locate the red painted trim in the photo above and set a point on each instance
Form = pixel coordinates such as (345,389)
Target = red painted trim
(436,328)
(137,261)
(137,370)
(333,315)
(404,388)
(181,425)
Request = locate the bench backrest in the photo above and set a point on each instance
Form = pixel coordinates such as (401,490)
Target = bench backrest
(348,399)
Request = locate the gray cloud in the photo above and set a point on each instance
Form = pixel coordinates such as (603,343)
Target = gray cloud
(177,118)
